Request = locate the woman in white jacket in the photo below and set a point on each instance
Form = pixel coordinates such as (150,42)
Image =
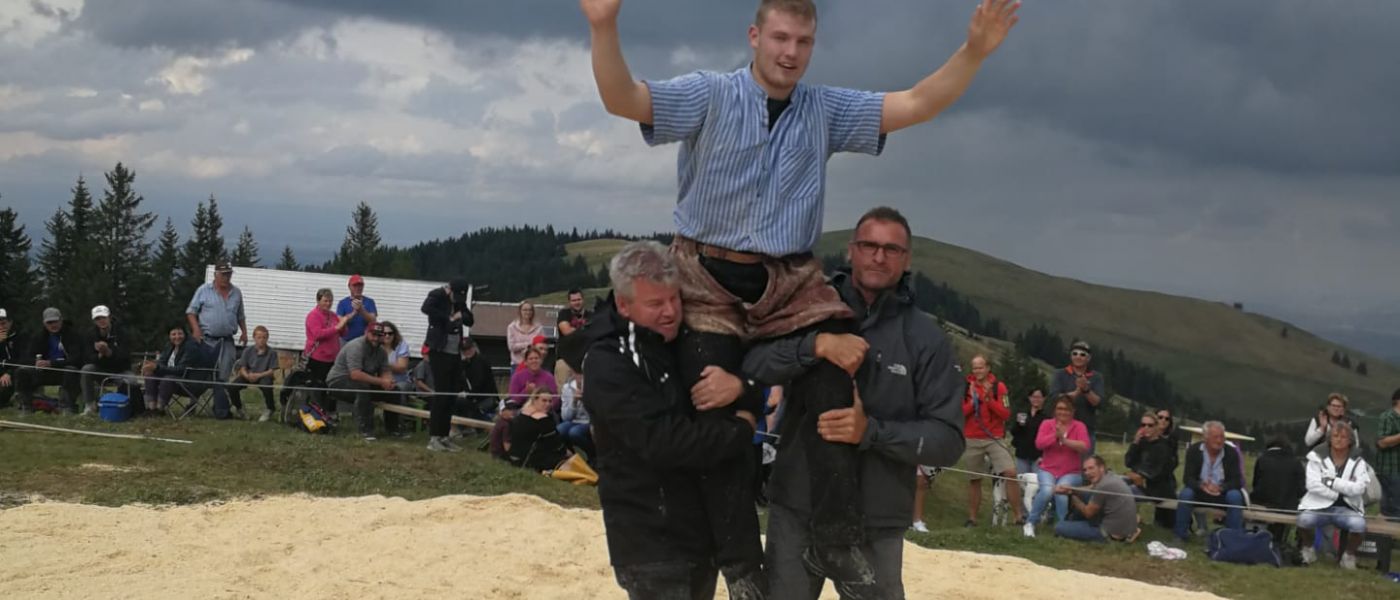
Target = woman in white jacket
(1319,427)
(1336,484)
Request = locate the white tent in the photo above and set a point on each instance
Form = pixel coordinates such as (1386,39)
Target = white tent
(280,301)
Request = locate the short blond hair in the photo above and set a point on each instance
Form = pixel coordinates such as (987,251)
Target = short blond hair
(802,8)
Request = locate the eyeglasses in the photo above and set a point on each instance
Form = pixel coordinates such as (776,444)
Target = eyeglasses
(1078,353)
(1149,424)
(870,248)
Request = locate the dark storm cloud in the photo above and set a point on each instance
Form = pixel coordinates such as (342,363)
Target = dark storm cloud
(192,25)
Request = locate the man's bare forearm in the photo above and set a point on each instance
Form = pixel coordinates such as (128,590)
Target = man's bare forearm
(933,94)
(621,94)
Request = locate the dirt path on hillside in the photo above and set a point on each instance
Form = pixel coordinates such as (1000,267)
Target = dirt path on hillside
(374,547)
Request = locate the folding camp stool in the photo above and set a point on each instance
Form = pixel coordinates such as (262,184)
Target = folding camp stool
(197,396)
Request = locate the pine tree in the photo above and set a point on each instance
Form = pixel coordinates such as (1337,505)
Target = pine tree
(204,247)
(124,252)
(19,284)
(1361,369)
(245,254)
(1336,357)
(362,250)
(1346,362)
(69,260)
(288,262)
(165,263)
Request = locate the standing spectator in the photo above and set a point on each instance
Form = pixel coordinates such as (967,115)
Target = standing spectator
(447,312)
(1110,513)
(535,442)
(1025,429)
(1151,460)
(323,329)
(480,381)
(110,356)
(214,314)
(521,332)
(1063,442)
(905,414)
(985,409)
(181,354)
(574,424)
(1319,427)
(1388,459)
(571,319)
(11,355)
(361,366)
(1336,486)
(56,346)
(1279,482)
(257,367)
(1082,385)
(530,379)
(1212,475)
(359,307)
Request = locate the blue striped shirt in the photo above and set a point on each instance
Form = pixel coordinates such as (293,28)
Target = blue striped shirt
(743,187)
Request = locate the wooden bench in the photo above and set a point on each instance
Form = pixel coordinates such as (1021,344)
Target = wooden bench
(1374,525)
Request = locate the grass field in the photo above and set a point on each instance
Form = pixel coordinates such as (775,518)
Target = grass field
(236,459)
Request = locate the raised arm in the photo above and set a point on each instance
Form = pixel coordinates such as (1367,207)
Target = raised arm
(622,95)
(990,24)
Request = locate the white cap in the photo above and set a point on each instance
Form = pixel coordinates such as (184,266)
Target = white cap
(3,314)
(101,310)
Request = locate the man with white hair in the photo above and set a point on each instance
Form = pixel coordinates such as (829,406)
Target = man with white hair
(1212,475)
(654,450)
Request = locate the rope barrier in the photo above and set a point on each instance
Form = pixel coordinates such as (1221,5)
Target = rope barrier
(1263,509)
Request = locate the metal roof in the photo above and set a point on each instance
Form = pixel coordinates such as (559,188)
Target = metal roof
(280,300)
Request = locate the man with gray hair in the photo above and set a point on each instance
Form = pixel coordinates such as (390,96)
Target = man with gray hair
(215,313)
(654,450)
(1212,475)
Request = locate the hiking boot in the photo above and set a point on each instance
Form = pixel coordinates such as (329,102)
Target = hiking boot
(451,446)
(1348,561)
(843,565)
(435,444)
(1309,555)
(919,526)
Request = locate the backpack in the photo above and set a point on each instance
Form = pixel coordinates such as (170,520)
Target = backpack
(313,419)
(1243,547)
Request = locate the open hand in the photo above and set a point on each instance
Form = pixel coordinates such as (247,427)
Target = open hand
(992,20)
(600,12)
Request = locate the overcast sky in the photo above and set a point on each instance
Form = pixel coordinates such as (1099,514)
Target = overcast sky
(1243,150)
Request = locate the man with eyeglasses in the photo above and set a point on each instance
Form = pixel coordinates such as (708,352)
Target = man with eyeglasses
(363,365)
(908,412)
(1082,385)
(215,313)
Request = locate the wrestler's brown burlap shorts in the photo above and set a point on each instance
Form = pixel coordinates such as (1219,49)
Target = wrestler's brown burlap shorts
(798,295)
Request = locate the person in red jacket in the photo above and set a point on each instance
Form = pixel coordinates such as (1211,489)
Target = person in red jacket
(986,407)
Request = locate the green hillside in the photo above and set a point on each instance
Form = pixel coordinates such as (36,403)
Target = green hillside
(1231,359)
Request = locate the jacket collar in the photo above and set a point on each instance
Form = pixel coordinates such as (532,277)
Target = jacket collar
(887,303)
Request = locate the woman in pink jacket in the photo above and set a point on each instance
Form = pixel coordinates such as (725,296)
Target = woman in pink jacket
(323,329)
(521,332)
(1063,442)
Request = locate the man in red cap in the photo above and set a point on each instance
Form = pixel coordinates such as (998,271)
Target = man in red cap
(361,306)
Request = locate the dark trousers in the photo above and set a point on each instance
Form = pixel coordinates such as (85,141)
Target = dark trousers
(667,581)
(319,372)
(788,535)
(447,378)
(269,399)
(28,381)
(364,408)
(6,392)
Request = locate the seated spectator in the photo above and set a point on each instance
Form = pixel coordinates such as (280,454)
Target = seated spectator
(398,357)
(11,353)
(533,378)
(1387,465)
(1320,427)
(1168,426)
(1212,475)
(1336,483)
(483,394)
(56,346)
(499,442)
(256,367)
(109,357)
(1150,461)
(535,443)
(423,377)
(1063,441)
(574,425)
(1110,513)
(1024,430)
(362,365)
(1279,482)
(182,353)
